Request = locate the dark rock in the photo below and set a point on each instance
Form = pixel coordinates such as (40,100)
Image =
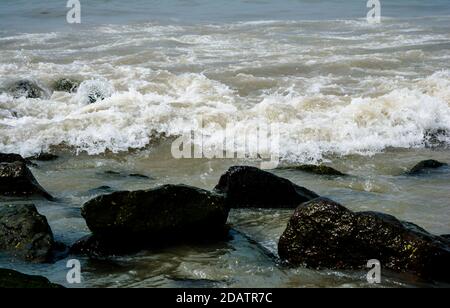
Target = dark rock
(28,89)
(25,233)
(426,166)
(100,189)
(10,279)
(111,173)
(96,246)
(143,219)
(44,157)
(436,138)
(315,169)
(250,187)
(324,234)
(136,175)
(17,180)
(11,158)
(96,95)
(66,85)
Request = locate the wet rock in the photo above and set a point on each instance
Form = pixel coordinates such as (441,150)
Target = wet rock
(315,169)
(44,157)
(250,187)
(10,158)
(143,219)
(101,189)
(96,246)
(137,175)
(446,236)
(66,85)
(426,166)
(25,233)
(110,172)
(95,96)
(325,234)
(10,279)
(117,174)
(27,89)
(17,180)
(436,138)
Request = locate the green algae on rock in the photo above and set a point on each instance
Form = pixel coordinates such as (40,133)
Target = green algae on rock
(324,234)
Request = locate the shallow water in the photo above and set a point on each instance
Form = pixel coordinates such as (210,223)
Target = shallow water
(361,98)
(375,183)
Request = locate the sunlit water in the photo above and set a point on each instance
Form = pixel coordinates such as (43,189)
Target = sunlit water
(359,97)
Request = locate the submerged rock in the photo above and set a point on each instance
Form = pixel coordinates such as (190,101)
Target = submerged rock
(43,157)
(325,234)
(143,219)
(250,187)
(66,85)
(137,175)
(17,180)
(117,174)
(10,279)
(27,89)
(25,233)
(315,169)
(101,189)
(426,166)
(92,91)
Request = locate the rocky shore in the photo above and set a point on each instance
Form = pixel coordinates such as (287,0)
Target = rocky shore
(320,234)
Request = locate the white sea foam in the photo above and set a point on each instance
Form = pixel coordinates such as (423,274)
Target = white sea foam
(311,125)
(337,97)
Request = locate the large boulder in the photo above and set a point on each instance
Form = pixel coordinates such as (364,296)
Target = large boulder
(426,166)
(27,89)
(324,234)
(144,219)
(314,169)
(25,233)
(250,187)
(17,180)
(10,279)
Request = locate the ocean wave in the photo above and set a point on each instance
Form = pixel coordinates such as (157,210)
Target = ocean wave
(311,125)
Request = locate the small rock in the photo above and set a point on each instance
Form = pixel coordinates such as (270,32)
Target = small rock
(27,89)
(315,169)
(44,157)
(104,188)
(96,246)
(124,175)
(137,175)
(324,234)
(426,166)
(92,91)
(66,85)
(25,233)
(250,187)
(17,180)
(10,279)
(436,138)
